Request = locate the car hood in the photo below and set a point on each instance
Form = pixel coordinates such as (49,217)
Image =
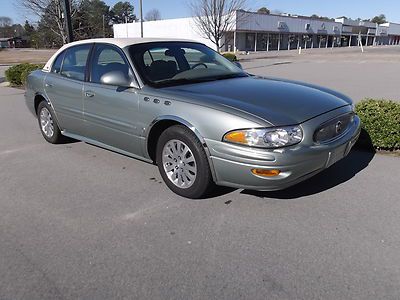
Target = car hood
(276,101)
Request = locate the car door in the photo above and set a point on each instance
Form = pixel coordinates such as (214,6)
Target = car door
(64,87)
(110,111)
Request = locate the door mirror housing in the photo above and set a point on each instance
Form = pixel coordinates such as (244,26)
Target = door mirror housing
(117,78)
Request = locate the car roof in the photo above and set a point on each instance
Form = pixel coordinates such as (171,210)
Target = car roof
(119,42)
(124,42)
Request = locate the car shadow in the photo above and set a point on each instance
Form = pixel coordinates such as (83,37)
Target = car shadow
(337,174)
(218,191)
(67,140)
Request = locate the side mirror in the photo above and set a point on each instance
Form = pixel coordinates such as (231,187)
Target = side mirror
(238,64)
(116,78)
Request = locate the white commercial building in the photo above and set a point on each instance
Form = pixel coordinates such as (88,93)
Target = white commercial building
(183,28)
(262,32)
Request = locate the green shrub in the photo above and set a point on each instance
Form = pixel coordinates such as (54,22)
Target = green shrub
(30,68)
(17,74)
(230,56)
(381,120)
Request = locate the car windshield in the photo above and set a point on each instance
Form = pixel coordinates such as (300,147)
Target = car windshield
(173,63)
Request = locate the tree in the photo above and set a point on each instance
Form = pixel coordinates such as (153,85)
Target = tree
(29,29)
(314,16)
(51,15)
(214,18)
(5,22)
(5,27)
(153,15)
(379,19)
(264,10)
(122,12)
(45,38)
(92,20)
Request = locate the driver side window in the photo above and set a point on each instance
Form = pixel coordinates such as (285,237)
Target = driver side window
(107,59)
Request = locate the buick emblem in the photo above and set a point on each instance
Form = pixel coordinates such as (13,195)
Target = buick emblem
(338,127)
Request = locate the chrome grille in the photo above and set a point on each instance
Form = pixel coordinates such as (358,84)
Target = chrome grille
(334,128)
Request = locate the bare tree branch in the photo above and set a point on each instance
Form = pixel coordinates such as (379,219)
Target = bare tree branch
(214,18)
(51,14)
(153,15)
(5,22)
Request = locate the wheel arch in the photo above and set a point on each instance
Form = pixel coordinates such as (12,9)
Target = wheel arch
(39,97)
(158,125)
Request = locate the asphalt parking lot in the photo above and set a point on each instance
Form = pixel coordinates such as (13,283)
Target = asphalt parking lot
(373,73)
(80,222)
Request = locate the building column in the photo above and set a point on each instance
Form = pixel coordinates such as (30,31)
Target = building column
(255,43)
(234,41)
(319,44)
(350,40)
(268,42)
(279,42)
(327,41)
(298,42)
(366,41)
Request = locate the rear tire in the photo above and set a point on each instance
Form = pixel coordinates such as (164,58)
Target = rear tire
(48,124)
(183,163)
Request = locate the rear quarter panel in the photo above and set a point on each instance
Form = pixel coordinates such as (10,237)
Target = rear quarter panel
(34,86)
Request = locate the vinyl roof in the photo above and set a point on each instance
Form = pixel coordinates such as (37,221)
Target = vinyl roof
(124,42)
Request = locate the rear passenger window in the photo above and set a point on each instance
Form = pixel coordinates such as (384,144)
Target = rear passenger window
(75,62)
(56,68)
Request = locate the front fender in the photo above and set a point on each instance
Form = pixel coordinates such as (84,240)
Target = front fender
(188,125)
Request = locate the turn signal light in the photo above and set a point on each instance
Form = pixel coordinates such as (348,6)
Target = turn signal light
(236,137)
(265,173)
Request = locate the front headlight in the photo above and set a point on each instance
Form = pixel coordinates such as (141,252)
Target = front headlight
(266,137)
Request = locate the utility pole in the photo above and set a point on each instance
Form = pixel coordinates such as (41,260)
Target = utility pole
(141,19)
(68,21)
(104,28)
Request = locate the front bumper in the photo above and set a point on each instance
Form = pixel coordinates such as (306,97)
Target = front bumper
(233,164)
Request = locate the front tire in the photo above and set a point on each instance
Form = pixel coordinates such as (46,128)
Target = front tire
(48,124)
(183,163)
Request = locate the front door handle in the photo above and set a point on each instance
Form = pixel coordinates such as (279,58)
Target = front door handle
(48,85)
(89,94)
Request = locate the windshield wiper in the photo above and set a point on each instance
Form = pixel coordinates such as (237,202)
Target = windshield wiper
(178,81)
(229,76)
(197,80)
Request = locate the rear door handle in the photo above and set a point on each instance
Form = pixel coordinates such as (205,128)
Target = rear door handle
(89,94)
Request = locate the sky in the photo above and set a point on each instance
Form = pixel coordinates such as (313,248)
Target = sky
(363,9)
